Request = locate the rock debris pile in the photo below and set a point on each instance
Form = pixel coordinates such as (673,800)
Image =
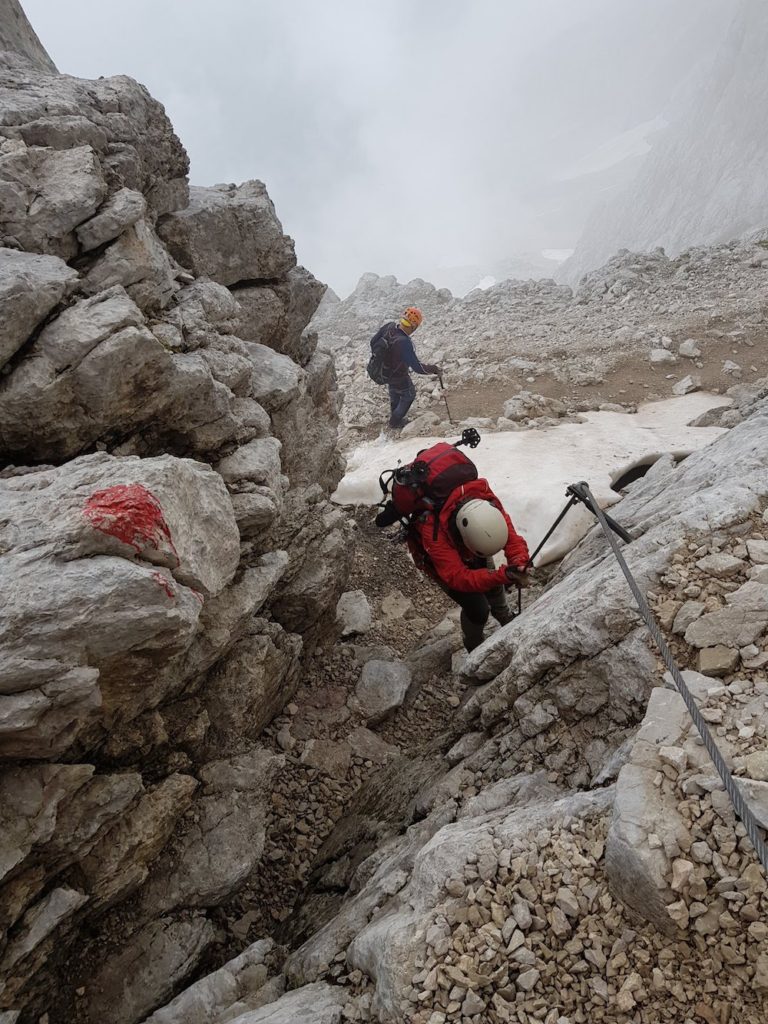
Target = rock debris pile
(640,317)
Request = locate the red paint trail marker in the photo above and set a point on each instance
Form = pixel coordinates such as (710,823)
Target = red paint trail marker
(133,515)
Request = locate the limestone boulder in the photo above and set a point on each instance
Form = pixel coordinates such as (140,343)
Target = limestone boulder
(251,685)
(94,370)
(118,864)
(319,537)
(122,209)
(32,800)
(225,838)
(139,262)
(276,377)
(45,194)
(107,563)
(229,233)
(353,613)
(307,425)
(116,117)
(238,986)
(637,868)
(257,462)
(382,688)
(31,286)
(34,938)
(148,968)
(740,622)
(276,315)
(311,1004)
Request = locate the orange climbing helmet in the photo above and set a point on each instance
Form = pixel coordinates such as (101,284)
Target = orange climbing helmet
(412,317)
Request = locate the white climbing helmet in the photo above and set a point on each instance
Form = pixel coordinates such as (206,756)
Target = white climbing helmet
(482,527)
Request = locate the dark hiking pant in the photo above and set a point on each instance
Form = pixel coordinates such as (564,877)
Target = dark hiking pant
(475,609)
(402,394)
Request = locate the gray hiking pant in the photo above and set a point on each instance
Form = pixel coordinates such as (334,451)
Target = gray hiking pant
(475,609)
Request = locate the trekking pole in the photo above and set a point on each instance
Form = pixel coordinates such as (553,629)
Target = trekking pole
(442,388)
(551,530)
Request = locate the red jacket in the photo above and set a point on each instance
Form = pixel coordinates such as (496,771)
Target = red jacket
(447,560)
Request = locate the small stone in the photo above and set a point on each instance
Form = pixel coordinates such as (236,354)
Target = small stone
(666,613)
(717,661)
(758,551)
(701,853)
(676,757)
(689,349)
(678,913)
(760,980)
(757,765)
(689,612)
(661,355)
(687,385)
(522,915)
(559,923)
(395,605)
(472,1004)
(681,873)
(285,740)
(353,613)
(528,979)
(721,566)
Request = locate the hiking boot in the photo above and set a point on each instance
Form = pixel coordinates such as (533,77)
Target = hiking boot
(398,424)
(503,616)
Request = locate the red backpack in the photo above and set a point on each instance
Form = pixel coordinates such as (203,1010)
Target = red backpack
(426,483)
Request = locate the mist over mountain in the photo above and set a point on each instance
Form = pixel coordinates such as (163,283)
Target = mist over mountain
(406,138)
(703,180)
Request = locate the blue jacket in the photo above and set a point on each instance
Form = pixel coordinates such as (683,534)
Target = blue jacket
(401,355)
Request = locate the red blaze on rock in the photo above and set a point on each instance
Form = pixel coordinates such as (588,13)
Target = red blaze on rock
(133,515)
(162,581)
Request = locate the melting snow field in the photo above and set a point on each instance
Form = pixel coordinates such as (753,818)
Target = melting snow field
(530,469)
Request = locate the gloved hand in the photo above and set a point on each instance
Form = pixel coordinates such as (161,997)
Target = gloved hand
(518,575)
(432,369)
(387,517)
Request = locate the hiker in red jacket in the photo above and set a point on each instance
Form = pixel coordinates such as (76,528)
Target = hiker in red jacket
(472,527)
(455,524)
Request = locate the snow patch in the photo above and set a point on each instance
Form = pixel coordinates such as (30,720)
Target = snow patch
(530,470)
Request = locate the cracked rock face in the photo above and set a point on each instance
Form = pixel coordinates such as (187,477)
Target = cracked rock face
(141,648)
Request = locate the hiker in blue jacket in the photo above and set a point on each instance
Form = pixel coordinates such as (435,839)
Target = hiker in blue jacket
(401,357)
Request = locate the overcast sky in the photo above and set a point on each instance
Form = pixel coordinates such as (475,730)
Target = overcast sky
(401,135)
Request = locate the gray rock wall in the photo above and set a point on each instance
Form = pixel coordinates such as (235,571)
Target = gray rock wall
(18,36)
(702,182)
(166,453)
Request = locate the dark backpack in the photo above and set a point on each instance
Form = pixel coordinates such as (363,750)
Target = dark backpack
(425,484)
(382,343)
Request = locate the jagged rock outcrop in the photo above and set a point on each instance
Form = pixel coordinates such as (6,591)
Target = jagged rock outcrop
(166,453)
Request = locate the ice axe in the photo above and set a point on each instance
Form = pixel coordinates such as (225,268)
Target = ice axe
(442,388)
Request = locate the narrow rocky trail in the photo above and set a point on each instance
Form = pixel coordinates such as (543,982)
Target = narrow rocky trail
(329,752)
